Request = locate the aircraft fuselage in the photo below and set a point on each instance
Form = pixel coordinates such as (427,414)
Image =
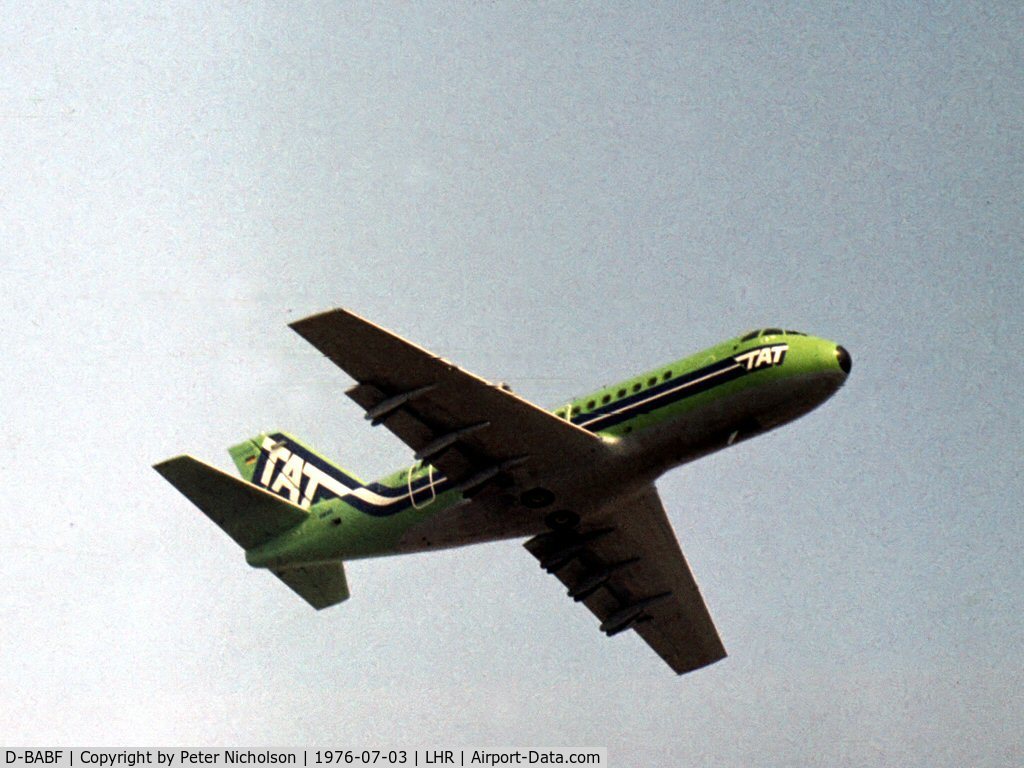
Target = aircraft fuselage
(650,423)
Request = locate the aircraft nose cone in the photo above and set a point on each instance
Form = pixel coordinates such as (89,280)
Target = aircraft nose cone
(844,359)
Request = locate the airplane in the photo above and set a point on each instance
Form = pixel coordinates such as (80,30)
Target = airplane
(577,481)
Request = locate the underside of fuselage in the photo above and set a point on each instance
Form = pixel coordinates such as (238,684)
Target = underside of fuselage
(704,407)
(629,463)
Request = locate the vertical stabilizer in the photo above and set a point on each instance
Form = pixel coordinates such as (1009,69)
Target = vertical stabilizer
(283,465)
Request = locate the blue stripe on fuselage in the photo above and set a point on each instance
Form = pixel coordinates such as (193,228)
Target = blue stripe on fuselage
(661,395)
(398,497)
(653,398)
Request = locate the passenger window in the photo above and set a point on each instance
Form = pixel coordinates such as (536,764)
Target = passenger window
(622,393)
(667,376)
(606,399)
(590,405)
(652,381)
(636,387)
(575,410)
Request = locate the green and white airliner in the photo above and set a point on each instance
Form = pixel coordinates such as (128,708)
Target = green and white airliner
(577,482)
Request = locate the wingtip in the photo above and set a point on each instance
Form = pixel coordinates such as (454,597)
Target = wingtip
(714,659)
(295,325)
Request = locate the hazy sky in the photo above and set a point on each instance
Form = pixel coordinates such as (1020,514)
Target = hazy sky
(555,197)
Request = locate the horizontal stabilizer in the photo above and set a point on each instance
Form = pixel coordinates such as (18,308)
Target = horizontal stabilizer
(321,585)
(249,515)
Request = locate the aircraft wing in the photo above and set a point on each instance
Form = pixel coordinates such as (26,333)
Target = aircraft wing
(625,564)
(465,426)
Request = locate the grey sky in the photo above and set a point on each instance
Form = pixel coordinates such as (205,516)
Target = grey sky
(556,197)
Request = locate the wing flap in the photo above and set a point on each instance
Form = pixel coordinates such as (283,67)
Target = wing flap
(634,576)
(418,432)
(423,398)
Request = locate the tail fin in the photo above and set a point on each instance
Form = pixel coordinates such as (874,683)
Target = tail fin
(252,516)
(284,466)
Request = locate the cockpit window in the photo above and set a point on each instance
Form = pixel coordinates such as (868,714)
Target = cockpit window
(796,333)
(771,332)
(749,336)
